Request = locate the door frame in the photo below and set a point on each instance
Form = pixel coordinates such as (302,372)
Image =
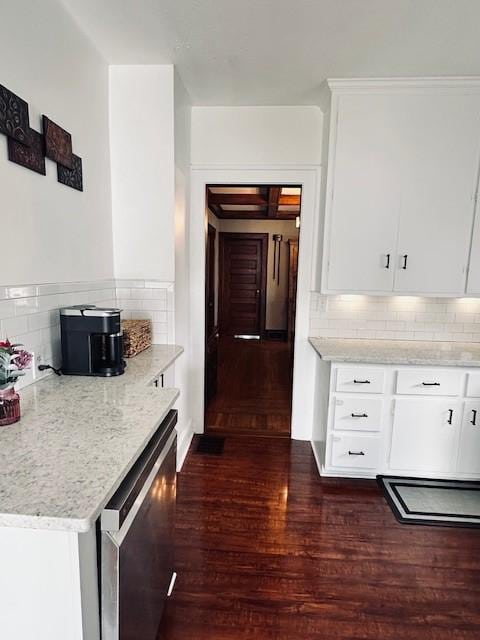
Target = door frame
(309,271)
(263,237)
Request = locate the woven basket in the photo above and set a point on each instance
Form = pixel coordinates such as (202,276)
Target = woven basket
(137,336)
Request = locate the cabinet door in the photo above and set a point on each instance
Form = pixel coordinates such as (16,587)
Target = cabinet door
(364,179)
(473,283)
(439,153)
(469,451)
(425,434)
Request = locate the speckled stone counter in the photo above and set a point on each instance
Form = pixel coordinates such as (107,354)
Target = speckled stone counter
(76,441)
(441,354)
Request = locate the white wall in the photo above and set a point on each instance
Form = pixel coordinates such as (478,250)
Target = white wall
(142,162)
(55,234)
(256,135)
(182,115)
(258,145)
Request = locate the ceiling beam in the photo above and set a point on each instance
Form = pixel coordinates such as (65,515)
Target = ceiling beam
(251,199)
(253,215)
(273,201)
(290,199)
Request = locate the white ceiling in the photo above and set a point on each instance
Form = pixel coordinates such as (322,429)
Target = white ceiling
(259,52)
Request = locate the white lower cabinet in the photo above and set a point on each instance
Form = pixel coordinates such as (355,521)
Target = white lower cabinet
(166,380)
(469,449)
(424,434)
(412,421)
(355,452)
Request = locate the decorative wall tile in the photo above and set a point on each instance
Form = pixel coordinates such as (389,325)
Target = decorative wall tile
(58,143)
(14,118)
(71,177)
(31,157)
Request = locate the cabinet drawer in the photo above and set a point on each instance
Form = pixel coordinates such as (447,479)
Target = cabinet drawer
(357,413)
(473,385)
(429,382)
(360,379)
(356,452)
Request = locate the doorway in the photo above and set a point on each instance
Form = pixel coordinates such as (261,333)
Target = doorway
(250,301)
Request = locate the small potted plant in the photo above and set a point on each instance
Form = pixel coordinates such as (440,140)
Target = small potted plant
(13,360)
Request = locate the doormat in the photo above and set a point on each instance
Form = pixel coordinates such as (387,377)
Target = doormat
(446,503)
(210,444)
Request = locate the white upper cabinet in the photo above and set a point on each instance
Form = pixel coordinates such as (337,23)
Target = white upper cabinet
(402,178)
(439,180)
(365,195)
(473,282)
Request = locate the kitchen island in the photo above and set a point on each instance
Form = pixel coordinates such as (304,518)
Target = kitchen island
(76,441)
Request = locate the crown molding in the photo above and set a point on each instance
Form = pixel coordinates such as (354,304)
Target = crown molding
(339,85)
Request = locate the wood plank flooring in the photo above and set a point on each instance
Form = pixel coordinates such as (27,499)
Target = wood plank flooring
(267,550)
(254,389)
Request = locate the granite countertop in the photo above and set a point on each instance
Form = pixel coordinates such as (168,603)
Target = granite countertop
(415,352)
(76,441)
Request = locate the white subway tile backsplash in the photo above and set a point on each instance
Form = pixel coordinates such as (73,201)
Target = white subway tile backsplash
(30,313)
(150,299)
(7,309)
(395,317)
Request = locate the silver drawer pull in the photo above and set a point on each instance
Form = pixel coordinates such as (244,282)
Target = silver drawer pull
(356,453)
(431,384)
(359,415)
(361,381)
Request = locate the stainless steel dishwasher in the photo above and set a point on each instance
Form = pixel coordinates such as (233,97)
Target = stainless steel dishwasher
(137,547)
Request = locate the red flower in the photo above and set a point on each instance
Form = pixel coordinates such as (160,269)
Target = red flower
(5,345)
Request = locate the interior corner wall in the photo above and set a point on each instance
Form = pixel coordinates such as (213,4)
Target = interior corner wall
(143,170)
(53,233)
(182,130)
(223,136)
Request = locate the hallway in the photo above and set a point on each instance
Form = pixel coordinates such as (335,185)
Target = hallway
(254,389)
(267,550)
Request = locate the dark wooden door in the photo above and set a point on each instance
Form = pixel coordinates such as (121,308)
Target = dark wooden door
(210,283)
(243,278)
(211,337)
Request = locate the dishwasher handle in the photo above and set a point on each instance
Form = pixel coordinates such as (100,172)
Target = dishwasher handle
(123,500)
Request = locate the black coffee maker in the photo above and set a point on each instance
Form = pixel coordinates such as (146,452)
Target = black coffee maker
(92,341)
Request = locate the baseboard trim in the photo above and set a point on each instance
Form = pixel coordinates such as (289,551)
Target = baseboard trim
(183,444)
(318,449)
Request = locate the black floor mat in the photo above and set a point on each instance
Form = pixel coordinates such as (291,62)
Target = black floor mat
(210,444)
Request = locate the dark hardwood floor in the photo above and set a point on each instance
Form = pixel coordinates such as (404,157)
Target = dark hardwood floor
(254,389)
(267,550)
